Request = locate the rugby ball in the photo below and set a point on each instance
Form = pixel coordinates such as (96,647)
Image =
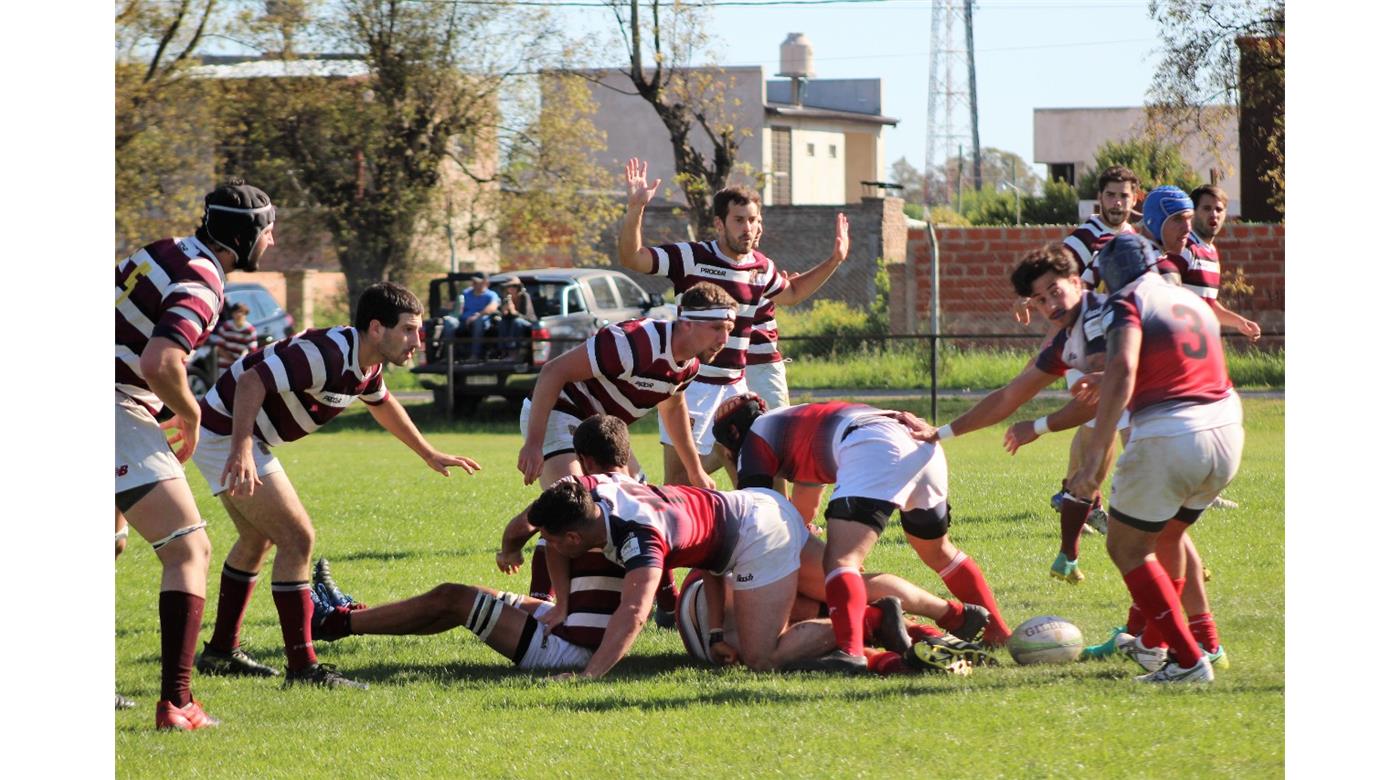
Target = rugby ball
(1045,640)
(692,617)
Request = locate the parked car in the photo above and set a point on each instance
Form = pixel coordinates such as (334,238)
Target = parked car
(571,304)
(271,321)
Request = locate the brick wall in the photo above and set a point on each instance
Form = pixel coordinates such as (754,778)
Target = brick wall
(975,266)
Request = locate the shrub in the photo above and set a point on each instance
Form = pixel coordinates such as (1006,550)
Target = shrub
(1058,206)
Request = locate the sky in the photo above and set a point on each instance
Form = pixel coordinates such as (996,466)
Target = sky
(1047,54)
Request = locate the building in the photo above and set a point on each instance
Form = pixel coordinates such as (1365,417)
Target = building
(816,149)
(1066,139)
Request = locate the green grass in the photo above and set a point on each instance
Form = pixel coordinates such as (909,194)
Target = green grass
(447,705)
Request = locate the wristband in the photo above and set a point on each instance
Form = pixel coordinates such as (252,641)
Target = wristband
(1042,426)
(716,636)
(946,432)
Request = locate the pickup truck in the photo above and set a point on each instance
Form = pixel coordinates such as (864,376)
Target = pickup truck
(571,304)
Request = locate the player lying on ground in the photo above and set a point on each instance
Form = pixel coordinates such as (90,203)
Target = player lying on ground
(280,394)
(878,468)
(1165,362)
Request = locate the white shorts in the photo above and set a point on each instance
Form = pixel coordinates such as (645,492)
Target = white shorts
(769,380)
(143,454)
(1157,476)
(770,541)
(548,653)
(880,460)
(558,431)
(702,401)
(212,455)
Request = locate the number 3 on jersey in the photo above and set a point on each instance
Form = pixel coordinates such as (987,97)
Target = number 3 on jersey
(1196,327)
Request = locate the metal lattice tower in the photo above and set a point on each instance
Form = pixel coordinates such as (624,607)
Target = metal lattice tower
(949,126)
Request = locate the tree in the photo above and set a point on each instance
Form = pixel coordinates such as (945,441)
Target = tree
(1201,68)
(998,166)
(160,144)
(393,158)
(660,47)
(1155,162)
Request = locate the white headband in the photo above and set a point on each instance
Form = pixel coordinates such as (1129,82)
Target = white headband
(711,313)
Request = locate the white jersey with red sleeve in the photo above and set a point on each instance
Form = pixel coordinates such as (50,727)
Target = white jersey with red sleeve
(798,443)
(1072,348)
(751,282)
(173,289)
(310,378)
(1198,267)
(1181,385)
(634,369)
(667,526)
(1085,243)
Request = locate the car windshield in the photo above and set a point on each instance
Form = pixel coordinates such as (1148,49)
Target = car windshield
(546,296)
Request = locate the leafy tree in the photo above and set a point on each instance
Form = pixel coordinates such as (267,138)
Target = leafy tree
(1155,162)
(1200,68)
(1058,206)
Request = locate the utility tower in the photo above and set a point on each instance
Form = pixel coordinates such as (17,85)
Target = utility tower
(950,102)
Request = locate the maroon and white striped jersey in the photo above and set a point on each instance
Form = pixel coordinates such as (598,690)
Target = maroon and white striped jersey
(1181,375)
(172,288)
(1199,267)
(310,378)
(751,283)
(668,526)
(798,443)
(1086,241)
(763,340)
(232,341)
(595,592)
(633,371)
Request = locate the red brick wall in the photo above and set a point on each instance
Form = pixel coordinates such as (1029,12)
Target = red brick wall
(975,265)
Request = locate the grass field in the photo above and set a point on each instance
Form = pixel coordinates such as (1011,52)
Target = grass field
(446,705)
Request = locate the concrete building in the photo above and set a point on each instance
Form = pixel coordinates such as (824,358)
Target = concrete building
(1066,139)
(815,150)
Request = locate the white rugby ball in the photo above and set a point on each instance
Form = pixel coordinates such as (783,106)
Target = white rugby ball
(1046,640)
(692,616)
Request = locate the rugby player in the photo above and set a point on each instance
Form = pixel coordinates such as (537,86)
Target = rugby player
(1194,260)
(878,468)
(730,262)
(168,298)
(1165,363)
(280,394)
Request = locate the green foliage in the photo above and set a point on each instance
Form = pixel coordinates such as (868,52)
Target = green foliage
(828,328)
(1155,162)
(1059,206)
(943,216)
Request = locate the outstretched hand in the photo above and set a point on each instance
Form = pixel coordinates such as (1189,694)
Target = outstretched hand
(639,193)
(842,245)
(441,462)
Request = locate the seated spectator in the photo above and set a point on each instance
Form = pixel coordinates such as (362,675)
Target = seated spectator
(477,305)
(235,337)
(517,314)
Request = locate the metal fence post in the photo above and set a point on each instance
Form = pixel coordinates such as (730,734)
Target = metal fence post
(451,376)
(934,319)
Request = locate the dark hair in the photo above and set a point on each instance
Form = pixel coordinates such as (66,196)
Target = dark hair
(1051,258)
(237,308)
(706,295)
(564,506)
(736,196)
(384,302)
(1118,173)
(1211,190)
(603,438)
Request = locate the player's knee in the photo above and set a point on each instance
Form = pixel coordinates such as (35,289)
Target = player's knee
(297,539)
(189,550)
(755,661)
(452,599)
(928,524)
(121,546)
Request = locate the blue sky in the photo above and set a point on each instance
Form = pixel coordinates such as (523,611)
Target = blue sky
(1047,54)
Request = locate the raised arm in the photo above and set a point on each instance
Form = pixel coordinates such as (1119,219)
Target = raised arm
(631,252)
(801,286)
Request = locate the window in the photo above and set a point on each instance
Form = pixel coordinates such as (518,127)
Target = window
(573,300)
(603,294)
(782,166)
(633,297)
(831,151)
(811,150)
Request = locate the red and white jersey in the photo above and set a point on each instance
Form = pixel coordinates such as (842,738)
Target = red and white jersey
(310,378)
(1073,347)
(798,443)
(172,289)
(595,592)
(1199,268)
(1086,241)
(751,283)
(763,339)
(634,369)
(1181,385)
(670,526)
(232,342)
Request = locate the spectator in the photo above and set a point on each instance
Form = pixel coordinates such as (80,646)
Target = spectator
(516,315)
(477,305)
(235,337)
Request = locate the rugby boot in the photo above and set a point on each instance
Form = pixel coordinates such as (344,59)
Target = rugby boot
(187,718)
(234,663)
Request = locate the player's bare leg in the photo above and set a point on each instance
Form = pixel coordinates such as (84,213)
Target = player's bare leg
(1188,575)
(760,617)
(123,703)
(807,497)
(167,517)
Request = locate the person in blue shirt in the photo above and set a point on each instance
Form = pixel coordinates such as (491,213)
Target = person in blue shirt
(477,306)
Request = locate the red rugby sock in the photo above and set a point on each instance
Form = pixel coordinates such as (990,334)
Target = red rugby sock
(293,600)
(921,631)
(952,620)
(887,663)
(235,591)
(1152,591)
(845,595)
(1203,629)
(964,580)
(1137,621)
(180,615)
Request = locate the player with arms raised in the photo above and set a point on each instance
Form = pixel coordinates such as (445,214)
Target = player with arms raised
(168,298)
(1165,363)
